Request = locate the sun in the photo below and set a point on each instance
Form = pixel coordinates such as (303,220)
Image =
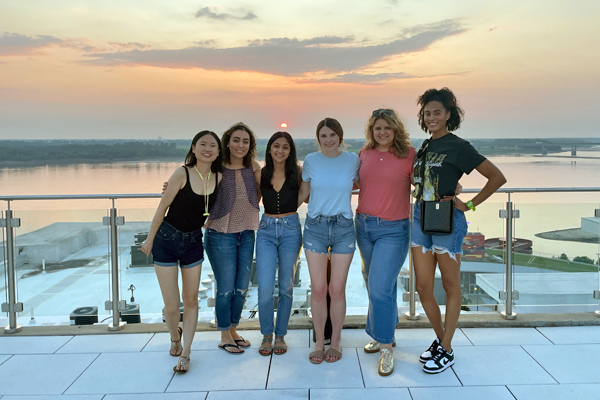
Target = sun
(283,125)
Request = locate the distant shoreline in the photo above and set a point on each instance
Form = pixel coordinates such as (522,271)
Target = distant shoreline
(69,161)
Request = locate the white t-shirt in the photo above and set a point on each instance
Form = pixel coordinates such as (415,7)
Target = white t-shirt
(331,181)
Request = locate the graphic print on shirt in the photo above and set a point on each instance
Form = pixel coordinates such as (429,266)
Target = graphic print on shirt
(430,187)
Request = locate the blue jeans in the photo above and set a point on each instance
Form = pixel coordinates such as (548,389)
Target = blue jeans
(383,247)
(278,242)
(230,255)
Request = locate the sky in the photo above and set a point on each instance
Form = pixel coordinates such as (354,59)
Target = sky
(170,68)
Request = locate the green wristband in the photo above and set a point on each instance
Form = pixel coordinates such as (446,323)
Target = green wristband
(470,205)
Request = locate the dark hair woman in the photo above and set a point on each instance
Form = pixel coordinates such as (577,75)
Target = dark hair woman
(176,239)
(279,239)
(441,162)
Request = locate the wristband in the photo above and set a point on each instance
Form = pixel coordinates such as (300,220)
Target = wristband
(470,205)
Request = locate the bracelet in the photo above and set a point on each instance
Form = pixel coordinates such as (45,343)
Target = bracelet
(470,205)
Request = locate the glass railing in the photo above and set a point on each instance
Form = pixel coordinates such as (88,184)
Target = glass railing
(66,266)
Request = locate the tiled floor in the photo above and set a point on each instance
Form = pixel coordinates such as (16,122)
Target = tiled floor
(494,364)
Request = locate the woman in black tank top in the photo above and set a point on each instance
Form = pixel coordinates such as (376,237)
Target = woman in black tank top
(176,239)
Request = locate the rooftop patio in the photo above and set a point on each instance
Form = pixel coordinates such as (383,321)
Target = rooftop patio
(491,363)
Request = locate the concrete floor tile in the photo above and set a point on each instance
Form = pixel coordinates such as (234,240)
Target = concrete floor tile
(555,392)
(294,370)
(408,371)
(42,374)
(504,336)
(32,344)
(461,393)
(568,363)
(404,338)
(298,394)
(156,396)
(77,397)
(210,340)
(120,373)
(359,394)
(217,370)
(3,358)
(117,343)
(572,334)
(491,365)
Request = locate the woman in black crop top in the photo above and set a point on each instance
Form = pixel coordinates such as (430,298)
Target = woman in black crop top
(176,239)
(279,239)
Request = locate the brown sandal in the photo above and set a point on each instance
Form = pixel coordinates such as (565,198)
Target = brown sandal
(331,352)
(173,350)
(182,362)
(320,354)
(279,345)
(266,347)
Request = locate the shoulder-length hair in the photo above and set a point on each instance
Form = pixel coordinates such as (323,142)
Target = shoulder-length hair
(251,155)
(291,163)
(448,100)
(190,158)
(401,142)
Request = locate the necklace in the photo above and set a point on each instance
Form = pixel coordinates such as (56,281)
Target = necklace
(205,187)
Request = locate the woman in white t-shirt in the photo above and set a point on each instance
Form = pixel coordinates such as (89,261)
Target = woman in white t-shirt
(329,176)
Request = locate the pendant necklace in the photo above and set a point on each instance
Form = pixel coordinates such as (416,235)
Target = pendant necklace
(205,186)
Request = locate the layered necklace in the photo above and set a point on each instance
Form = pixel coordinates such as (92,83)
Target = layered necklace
(205,186)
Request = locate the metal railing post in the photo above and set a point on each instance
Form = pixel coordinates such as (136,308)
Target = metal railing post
(508,294)
(115,304)
(12,307)
(412,313)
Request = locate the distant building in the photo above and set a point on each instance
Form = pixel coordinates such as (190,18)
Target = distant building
(473,246)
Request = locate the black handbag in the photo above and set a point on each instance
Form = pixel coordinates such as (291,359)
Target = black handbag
(437,217)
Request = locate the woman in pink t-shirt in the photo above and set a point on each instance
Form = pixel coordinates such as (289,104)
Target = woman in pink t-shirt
(383,225)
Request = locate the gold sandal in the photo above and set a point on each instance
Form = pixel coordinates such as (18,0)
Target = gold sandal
(266,345)
(173,350)
(281,346)
(183,361)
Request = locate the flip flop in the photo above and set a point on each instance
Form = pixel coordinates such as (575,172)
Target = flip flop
(182,362)
(242,340)
(225,346)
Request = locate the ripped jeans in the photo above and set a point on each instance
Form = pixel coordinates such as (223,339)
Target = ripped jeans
(230,255)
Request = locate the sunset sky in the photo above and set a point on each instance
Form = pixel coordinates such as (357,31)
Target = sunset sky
(133,69)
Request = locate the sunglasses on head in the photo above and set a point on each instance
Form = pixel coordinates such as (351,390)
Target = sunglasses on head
(386,111)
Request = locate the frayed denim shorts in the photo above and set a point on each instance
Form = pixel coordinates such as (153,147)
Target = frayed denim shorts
(324,234)
(172,247)
(450,244)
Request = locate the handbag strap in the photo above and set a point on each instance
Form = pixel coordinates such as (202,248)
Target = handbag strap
(422,156)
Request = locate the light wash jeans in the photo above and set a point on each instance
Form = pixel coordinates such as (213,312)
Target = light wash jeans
(383,247)
(278,242)
(230,255)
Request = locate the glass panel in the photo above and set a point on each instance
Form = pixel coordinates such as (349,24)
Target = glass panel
(556,253)
(61,257)
(3,288)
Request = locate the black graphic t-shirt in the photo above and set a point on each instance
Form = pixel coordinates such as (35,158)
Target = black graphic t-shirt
(446,160)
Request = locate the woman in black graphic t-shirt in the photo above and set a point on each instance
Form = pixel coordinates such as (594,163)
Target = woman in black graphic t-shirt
(439,165)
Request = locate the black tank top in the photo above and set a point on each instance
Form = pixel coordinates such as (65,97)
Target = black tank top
(282,202)
(186,211)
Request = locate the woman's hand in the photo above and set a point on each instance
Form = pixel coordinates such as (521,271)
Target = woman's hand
(459,204)
(458,190)
(147,247)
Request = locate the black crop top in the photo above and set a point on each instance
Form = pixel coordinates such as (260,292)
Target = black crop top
(282,202)
(187,209)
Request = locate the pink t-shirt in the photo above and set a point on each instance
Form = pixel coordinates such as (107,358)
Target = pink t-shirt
(385,184)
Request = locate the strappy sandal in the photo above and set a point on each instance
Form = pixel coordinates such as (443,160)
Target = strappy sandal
(183,361)
(266,347)
(320,354)
(173,350)
(279,345)
(331,352)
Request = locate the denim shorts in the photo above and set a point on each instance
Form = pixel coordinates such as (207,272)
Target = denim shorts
(334,234)
(172,247)
(440,244)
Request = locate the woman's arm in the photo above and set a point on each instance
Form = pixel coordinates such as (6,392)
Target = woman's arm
(303,192)
(257,171)
(495,179)
(175,183)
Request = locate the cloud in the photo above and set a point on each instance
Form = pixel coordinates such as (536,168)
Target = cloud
(285,56)
(129,45)
(373,79)
(206,12)
(14,44)
(494,28)
(207,43)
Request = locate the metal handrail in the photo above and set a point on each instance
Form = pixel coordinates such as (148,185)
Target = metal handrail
(158,195)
